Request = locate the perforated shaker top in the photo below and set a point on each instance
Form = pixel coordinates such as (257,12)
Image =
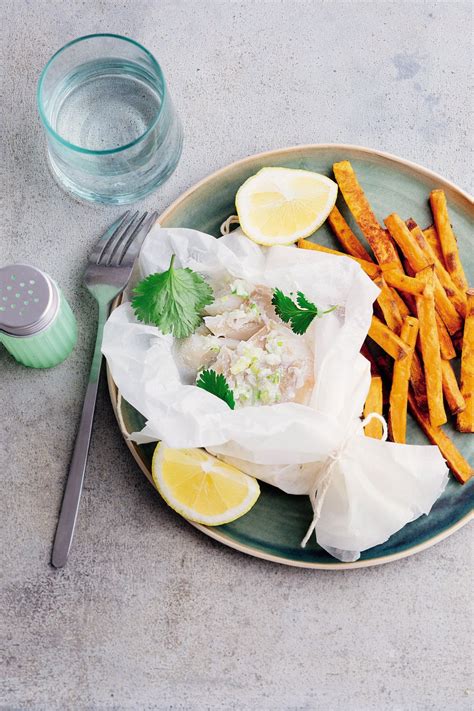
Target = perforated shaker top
(29,300)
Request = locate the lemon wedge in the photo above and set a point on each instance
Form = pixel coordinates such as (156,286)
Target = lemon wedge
(282,205)
(200,487)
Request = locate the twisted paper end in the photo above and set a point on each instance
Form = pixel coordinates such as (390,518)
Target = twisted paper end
(318,493)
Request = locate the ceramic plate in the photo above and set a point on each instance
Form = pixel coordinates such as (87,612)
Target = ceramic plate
(275,526)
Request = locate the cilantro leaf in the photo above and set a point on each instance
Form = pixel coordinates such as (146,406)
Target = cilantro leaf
(300,314)
(217,385)
(172,300)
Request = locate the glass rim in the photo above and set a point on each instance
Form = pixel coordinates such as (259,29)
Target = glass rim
(73,146)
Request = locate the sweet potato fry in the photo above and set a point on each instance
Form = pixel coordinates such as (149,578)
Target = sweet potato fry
(384,364)
(380,242)
(430,349)
(446,344)
(411,300)
(418,383)
(402,282)
(432,238)
(388,340)
(370,268)
(465,419)
(447,348)
(374,403)
(452,394)
(388,306)
(447,239)
(418,260)
(397,417)
(461,469)
(402,306)
(346,237)
(445,307)
(454,294)
(448,352)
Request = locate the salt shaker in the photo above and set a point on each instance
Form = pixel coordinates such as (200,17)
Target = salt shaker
(37,325)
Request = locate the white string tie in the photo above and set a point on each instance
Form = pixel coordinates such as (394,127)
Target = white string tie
(225,227)
(319,490)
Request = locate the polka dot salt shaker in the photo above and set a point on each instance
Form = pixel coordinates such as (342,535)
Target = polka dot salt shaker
(37,325)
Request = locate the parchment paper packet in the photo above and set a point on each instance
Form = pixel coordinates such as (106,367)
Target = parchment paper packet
(371,488)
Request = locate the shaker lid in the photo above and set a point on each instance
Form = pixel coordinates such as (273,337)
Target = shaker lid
(29,300)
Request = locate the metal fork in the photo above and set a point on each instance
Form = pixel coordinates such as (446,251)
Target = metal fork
(106,276)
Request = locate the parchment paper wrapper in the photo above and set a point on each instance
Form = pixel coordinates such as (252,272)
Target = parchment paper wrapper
(375,487)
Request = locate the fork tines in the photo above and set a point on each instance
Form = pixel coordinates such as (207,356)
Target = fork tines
(121,242)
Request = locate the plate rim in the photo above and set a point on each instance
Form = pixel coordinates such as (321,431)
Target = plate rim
(320,146)
(115,396)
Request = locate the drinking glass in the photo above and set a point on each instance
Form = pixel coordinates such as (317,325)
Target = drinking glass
(112,132)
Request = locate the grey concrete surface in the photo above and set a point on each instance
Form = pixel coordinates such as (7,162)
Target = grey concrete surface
(149,614)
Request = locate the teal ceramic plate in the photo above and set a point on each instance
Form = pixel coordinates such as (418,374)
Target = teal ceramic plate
(275,526)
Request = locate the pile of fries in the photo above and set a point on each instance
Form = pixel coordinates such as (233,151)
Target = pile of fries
(423,317)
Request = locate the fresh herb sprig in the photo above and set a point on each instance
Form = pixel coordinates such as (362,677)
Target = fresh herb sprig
(217,385)
(172,300)
(300,314)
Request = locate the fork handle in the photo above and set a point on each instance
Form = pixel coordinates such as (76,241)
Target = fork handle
(75,478)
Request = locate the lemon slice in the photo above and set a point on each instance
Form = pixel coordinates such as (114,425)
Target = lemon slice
(282,205)
(200,487)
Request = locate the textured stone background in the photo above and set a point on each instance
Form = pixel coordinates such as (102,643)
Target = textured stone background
(149,614)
